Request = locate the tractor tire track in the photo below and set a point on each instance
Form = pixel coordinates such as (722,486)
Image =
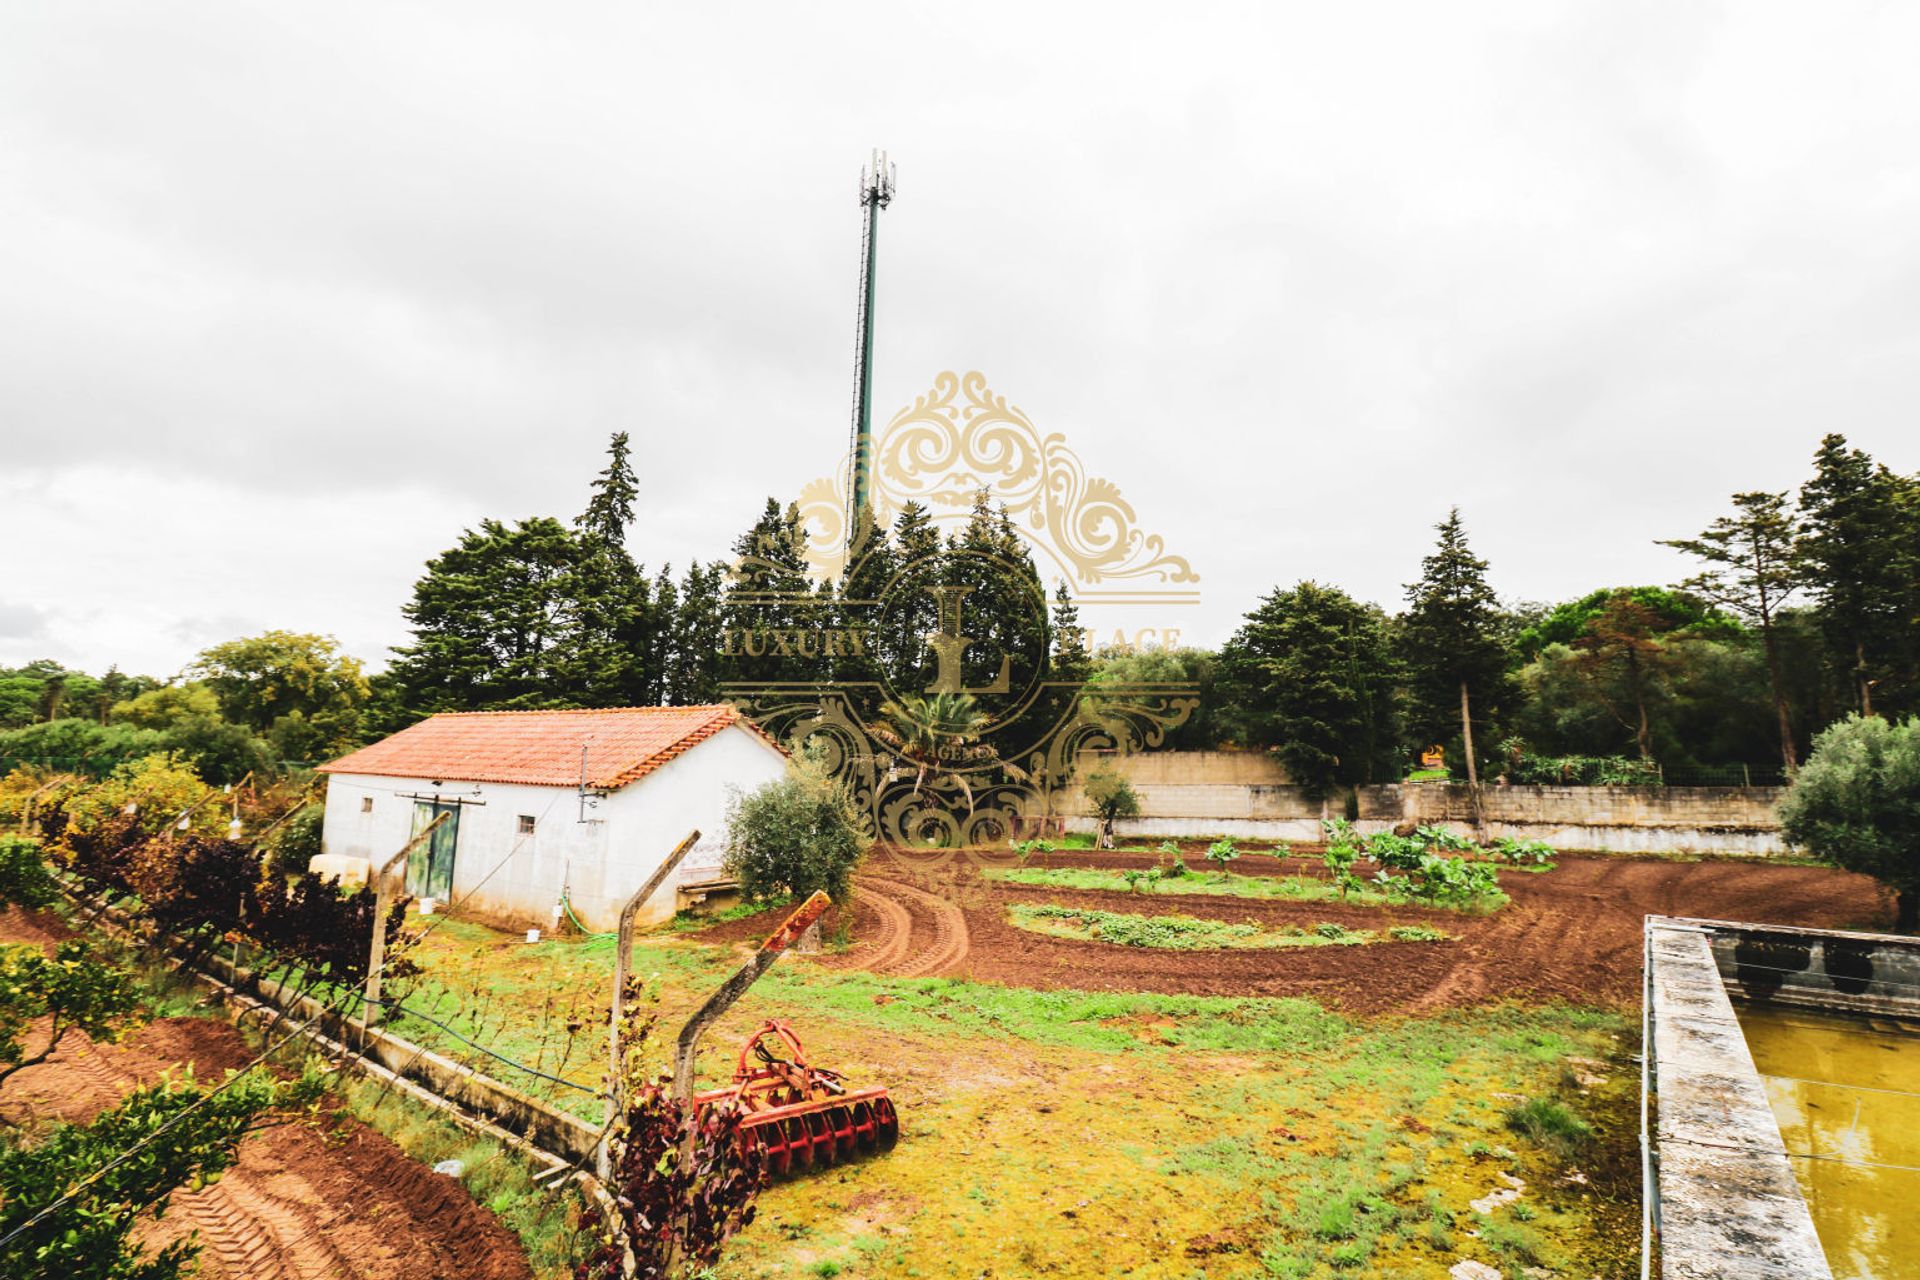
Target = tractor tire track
(895,930)
(233,1242)
(295,1205)
(951,941)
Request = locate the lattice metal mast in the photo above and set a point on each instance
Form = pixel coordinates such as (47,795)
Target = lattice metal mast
(876,193)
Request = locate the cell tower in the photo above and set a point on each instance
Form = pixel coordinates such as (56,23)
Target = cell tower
(876,193)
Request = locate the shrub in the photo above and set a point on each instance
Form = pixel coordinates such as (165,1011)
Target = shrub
(24,878)
(683,1185)
(1110,797)
(795,835)
(159,788)
(77,990)
(1856,804)
(1221,852)
(296,842)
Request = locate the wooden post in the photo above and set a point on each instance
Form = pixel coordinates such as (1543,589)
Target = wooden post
(382,903)
(736,986)
(622,965)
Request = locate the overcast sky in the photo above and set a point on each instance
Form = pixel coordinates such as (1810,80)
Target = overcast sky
(291,295)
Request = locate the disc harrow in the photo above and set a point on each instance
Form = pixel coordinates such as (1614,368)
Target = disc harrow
(801,1116)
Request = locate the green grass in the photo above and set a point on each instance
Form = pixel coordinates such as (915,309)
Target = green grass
(1190,933)
(1549,1124)
(1227,884)
(692,921)
(1341,1082)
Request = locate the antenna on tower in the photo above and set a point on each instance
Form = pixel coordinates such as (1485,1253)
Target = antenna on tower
(876,193)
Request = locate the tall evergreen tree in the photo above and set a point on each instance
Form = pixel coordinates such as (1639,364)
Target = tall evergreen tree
(1451,640)
(693,673)
(1313,670)
(613,624)
(491,618)
(1857,549)
(1752,569)
(769,598)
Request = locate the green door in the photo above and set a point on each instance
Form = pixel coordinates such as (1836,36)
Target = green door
(430,867)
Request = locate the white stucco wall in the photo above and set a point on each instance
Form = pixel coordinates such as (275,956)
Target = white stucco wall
(599,862)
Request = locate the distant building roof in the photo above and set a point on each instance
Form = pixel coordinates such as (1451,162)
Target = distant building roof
(542,748)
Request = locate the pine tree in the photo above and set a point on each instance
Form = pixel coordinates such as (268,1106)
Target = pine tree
(610,510)
(769,597)
(491,619)
(613,627)
(1856,549)
(1451,639)
(1313,670)
(1752,569)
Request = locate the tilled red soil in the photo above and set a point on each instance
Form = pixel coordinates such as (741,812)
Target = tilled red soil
(305,1201)
(1572,933)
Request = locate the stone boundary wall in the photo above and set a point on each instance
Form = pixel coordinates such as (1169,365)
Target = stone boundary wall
(1219,793)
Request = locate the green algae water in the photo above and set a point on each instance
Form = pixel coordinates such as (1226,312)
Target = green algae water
(1847,1090)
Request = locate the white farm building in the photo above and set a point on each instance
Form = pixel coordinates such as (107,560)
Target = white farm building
(546,804)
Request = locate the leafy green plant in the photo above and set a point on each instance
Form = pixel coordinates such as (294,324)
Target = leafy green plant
(70,1202)
(1025,849)
(1221,852)
(1523,853)
(1173,933)
(25,880)
(1135,879)
(1416,933)
(77,990)
(794,835)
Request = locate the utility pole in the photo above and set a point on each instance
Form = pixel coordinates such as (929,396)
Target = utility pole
(876,193)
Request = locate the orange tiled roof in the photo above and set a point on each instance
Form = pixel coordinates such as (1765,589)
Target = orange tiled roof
(542,748)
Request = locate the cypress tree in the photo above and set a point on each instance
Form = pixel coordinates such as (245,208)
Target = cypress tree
(1450,640)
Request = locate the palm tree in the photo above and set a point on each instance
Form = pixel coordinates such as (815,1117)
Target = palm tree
(931,733)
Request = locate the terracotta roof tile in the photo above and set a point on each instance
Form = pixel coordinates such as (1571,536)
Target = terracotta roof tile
(542,748)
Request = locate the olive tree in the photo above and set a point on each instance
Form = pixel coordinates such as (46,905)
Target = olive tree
(1111,797)
(1856,804)
(794,835)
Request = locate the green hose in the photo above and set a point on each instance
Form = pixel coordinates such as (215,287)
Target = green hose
(567,904)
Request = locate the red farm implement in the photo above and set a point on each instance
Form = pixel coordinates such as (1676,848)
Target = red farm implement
(802,1116)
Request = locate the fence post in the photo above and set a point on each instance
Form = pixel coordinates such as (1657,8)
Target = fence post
(382,903)
(735,987)
(622,963)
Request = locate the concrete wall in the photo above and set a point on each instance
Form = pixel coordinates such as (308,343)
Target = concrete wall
(1245,794)
(1726,1201)
(518,878)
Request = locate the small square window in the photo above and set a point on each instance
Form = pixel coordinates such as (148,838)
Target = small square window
(526,824)
(366,804)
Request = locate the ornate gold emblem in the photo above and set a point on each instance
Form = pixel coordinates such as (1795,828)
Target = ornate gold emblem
(956,764)
(961,437)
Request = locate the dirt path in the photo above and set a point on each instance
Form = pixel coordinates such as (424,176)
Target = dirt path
(1571,933)
(303,1202)
(936,940)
